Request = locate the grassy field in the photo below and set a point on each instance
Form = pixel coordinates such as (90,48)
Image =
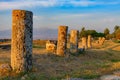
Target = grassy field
(93,63)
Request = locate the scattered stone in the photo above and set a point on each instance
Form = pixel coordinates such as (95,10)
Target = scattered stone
(50,46)
(101,40)
(5,69)
(110,77)
(24,77)
(117,73)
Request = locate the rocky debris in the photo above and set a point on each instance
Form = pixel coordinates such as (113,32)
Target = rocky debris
(24,77)
(5,69)
(117,73)
(110,77)
(50,47)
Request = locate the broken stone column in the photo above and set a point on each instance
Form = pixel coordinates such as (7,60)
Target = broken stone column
(99,40)
(102,40)
(50,46)
(62,40)
(73,41)
(89,41)
(21,48)
(84,42)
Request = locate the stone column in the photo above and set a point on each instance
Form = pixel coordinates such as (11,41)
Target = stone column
(102,40)
(62,40)
(73,41)
(89,41)
(84,42)
(99,39)
(21,48)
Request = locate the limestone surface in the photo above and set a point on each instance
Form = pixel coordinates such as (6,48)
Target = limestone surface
(62,40)
(74,41)
(21,48)
(89,41)
(84,42)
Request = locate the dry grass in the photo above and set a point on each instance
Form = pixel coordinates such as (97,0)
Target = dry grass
(91,64)
(116,48)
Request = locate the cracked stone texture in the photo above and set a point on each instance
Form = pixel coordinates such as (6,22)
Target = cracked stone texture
(89,41)
(50,47)
(62,40)
(73,41)
(101,40)
(21,48)
(84,42)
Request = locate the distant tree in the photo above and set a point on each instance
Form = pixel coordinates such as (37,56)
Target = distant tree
(82,33)
(109,36)
(100,34)
(91,32)
(83,29)
(116,28)
(118,34)
(106,31)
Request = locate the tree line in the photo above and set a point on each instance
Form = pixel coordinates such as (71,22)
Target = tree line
(106,33)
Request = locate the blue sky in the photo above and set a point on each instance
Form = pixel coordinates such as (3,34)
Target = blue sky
(49,14)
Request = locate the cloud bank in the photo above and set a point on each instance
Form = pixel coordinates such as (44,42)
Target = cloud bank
(52,3)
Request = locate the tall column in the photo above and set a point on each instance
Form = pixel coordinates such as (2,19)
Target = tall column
(62,40)
(89,41)
(73,41)
(21,48)
(84,42)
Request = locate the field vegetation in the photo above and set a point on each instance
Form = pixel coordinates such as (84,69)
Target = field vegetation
(91,64)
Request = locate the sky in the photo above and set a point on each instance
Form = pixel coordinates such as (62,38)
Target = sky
(49,14)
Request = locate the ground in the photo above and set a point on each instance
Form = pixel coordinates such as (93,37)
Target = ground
(91,64)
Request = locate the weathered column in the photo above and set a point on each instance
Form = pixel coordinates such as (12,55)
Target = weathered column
(102,40)
(89,41)
(50,46)
(62,40)
(99,39)
(21,48)
(73,41)
(84,42)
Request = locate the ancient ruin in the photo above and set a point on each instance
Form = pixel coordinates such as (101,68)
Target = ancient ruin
(73,41)
(89,41)
(50,46)
(62,40)
(101,40)
(84,42)
(21,48)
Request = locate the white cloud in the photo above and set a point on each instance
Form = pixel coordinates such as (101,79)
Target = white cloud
(26,4)
(83,3)
(51,3)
